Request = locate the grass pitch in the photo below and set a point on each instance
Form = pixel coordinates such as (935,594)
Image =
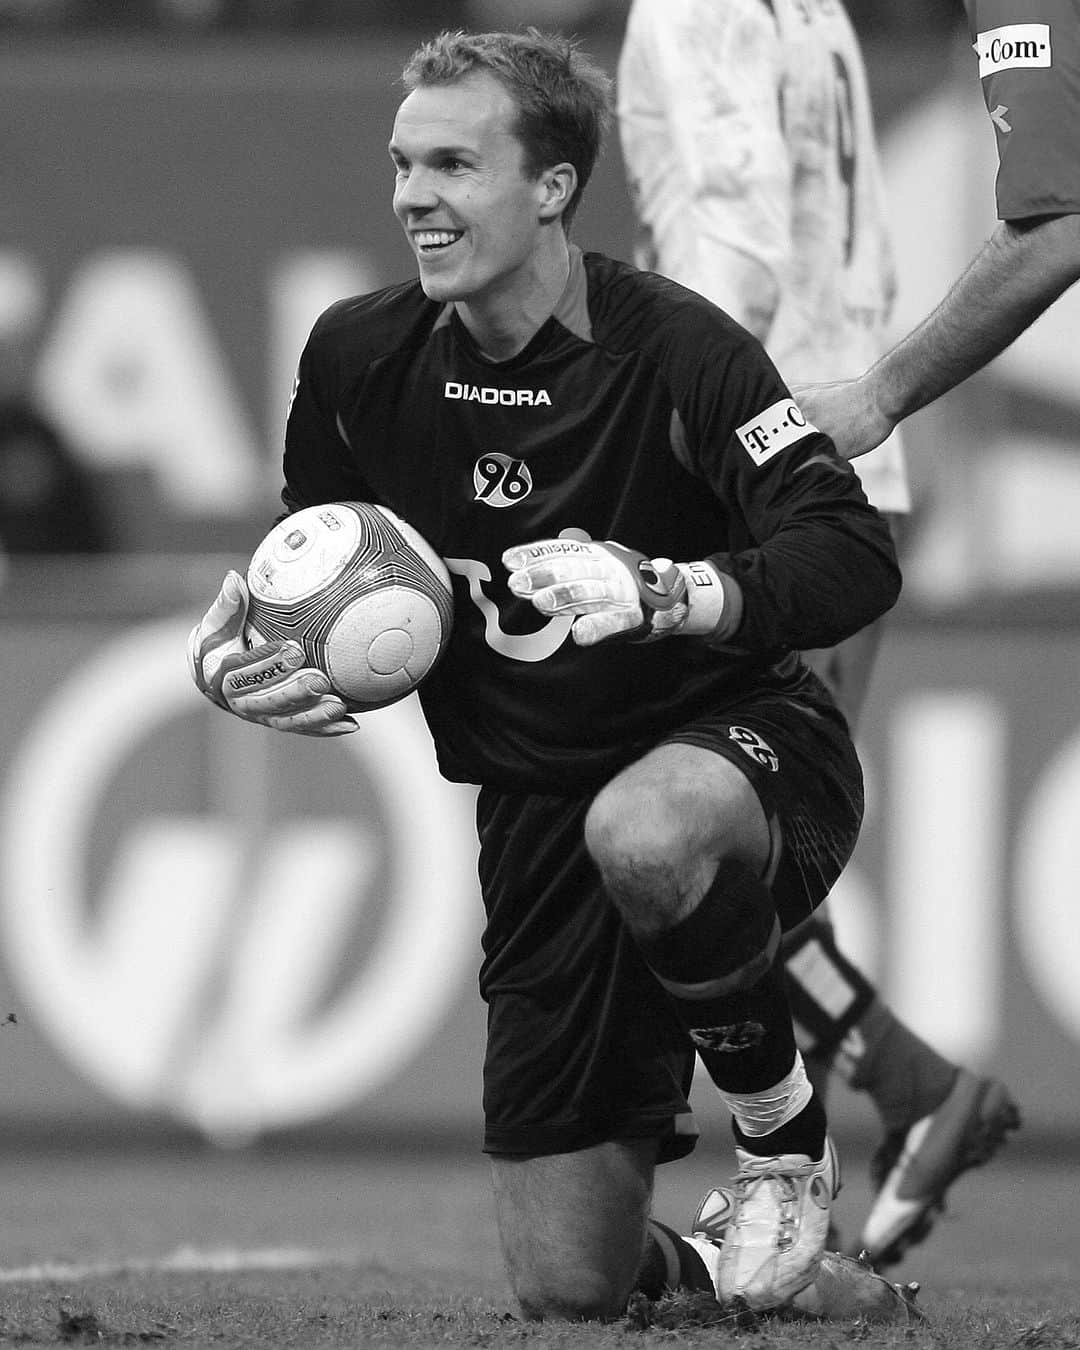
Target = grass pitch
(269,1248)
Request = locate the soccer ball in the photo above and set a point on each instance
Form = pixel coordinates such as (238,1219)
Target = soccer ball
(364,594)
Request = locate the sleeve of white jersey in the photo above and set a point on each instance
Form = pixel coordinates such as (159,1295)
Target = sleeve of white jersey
(718,70)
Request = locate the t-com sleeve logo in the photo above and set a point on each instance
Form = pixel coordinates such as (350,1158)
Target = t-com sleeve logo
(1015,45)
(780,425)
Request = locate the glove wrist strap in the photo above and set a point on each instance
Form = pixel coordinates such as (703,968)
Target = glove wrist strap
(705,599)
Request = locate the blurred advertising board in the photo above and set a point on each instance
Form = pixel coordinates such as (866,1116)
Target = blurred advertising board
(212,926)
(231,930)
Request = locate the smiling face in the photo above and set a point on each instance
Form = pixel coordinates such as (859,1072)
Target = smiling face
(484,233)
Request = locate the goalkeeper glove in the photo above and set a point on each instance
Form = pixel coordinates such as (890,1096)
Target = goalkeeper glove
(271,684)
(616,592)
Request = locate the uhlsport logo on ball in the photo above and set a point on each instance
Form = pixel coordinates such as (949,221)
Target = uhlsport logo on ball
(364,594)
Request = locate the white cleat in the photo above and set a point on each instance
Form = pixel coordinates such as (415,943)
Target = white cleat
(770,1228)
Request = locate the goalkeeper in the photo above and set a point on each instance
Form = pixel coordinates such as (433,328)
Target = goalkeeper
(644,533)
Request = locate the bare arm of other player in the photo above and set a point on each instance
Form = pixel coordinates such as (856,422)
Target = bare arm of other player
(1019,272)
(270,684)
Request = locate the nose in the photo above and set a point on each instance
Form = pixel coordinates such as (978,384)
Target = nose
(414,191)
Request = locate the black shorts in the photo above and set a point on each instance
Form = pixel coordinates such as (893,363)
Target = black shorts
(583,1045)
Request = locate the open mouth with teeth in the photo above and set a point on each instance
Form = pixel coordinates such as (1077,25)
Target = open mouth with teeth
(432,241)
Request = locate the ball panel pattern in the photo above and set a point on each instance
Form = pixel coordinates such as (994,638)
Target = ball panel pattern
(386,641)
(298,557)
(364,594)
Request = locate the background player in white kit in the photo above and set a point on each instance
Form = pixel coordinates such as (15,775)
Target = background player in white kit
(748,137)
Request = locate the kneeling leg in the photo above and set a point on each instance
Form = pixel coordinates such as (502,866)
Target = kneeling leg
(573,1226)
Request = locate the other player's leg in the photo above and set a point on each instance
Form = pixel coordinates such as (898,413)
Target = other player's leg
(938,1119)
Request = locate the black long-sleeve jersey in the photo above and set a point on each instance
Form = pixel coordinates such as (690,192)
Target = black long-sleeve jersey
(639,412)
